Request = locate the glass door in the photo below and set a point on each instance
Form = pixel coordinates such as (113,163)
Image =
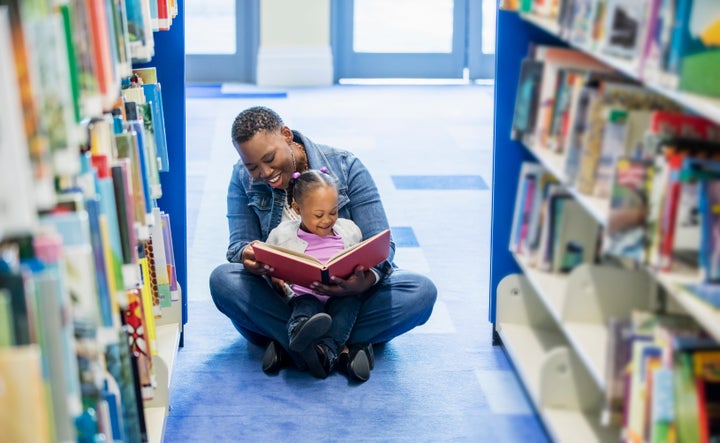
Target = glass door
(412,38)
(221,40)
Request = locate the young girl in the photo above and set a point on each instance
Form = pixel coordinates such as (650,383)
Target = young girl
(319,325)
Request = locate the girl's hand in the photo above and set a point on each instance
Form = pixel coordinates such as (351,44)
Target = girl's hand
(360,281)
(252,266)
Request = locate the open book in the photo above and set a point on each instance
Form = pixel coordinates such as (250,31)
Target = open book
(302,269)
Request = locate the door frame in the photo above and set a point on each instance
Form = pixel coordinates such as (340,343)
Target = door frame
(240,67)
(350,64)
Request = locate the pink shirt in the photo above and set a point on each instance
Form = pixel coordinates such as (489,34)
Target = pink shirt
(321,248)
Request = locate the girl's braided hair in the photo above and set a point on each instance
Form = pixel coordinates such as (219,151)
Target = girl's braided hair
(307,181)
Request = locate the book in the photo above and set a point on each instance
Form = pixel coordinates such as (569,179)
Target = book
(695,46)
(618,356)
(709,208)
(554,59)
(611,147)
(577,237)
(23,394)
(624,21)
(301,269)
(526,99)
(625,233)
(18,211)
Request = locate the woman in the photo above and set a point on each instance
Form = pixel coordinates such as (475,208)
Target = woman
(395,300)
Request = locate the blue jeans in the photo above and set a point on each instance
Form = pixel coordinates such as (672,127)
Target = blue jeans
(394,306)
(343,311)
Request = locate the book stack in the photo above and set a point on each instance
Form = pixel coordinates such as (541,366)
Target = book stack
(87,266)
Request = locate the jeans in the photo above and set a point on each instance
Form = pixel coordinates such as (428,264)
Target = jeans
(398,303)
(343,311)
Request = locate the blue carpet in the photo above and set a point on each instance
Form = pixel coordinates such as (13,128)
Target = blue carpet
(447,182)
(441,382)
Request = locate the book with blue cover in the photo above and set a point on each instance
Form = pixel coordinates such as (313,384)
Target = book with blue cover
(695,46)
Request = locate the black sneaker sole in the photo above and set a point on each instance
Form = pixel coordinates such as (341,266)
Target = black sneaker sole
(314,328)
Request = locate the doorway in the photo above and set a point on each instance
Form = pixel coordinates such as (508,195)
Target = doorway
(370,39)
(431,39)
(221,40)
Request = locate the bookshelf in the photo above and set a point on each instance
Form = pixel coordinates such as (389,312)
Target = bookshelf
(554,326)
(19,360)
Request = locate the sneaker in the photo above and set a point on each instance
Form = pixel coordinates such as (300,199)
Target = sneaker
(275,358)
(319,360)
(357,362)
(309,331)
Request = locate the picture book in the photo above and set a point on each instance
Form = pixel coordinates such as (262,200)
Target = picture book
(301,269)
(679,222)
(636,125)
(657,45)
(662,407)
(528,189)
(612,146)
(645,355)
(624,24)
(706,364)
(687,403)
(626,95)
(554,59)
(618,355)
(709,209)
(576,239)
(695,46)
(552,209)
(625,233)
(526,98)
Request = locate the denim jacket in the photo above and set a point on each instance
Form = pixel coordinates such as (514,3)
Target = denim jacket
(255,208)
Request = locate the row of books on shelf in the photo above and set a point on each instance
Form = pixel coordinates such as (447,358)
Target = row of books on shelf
(670,43)
(662,380)
(554,231)
(646,165)
(87,266)
(68,61)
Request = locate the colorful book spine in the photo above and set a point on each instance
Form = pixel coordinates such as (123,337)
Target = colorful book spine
(170,257)
(22,393)
(160,261)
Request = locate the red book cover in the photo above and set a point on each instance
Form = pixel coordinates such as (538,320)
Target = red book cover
(101,45)
(301,269)
(163,15)
(678,124)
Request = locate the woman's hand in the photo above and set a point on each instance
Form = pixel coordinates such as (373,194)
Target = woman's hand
(360,281)
(252,266)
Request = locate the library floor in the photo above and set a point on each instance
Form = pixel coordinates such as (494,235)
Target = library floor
(429,149)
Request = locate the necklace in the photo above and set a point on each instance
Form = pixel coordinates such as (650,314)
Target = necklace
(302,150)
